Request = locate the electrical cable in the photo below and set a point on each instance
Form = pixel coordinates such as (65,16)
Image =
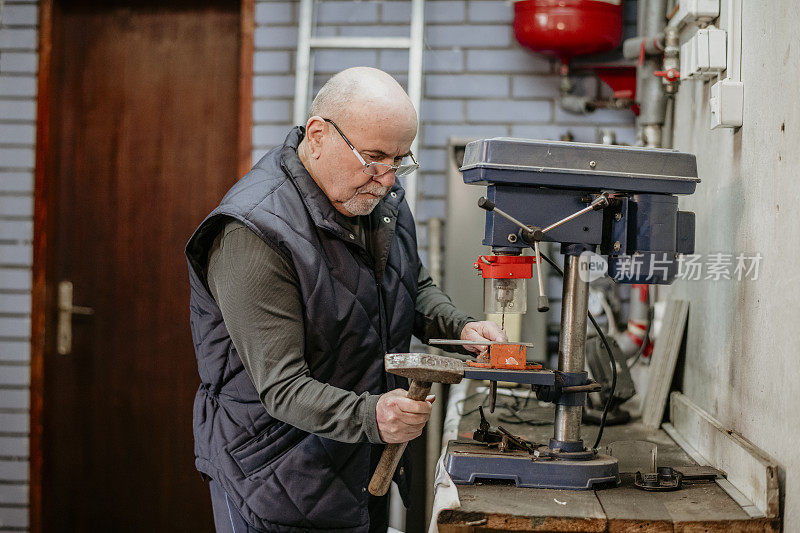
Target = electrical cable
(613,382)
(514,417)
(512,407)
(610,356)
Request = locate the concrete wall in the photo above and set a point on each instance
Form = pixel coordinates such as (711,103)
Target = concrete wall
(18,62)
(478,82)
(742,358)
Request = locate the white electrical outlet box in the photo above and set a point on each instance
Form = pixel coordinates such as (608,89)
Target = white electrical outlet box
(695,11)
(711,45)
(717,49)
(703,56)
(727,104)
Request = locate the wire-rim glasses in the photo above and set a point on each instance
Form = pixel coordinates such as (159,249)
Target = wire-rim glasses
(379,169)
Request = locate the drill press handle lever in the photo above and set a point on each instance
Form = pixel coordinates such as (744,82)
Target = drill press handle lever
(529,233)
(533,235)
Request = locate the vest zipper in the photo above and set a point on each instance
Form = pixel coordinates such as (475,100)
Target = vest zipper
(381,325)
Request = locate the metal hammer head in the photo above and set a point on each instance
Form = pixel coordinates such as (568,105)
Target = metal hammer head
(425,367)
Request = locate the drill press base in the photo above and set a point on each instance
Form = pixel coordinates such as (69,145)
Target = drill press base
(468,462)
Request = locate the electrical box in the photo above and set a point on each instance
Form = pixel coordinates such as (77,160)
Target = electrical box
(727,104)
(695,11)
(688,60)
(703,56)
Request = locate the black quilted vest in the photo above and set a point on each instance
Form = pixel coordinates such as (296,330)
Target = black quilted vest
(279,477)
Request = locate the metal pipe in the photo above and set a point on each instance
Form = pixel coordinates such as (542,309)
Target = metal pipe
(669,124)
(578,105)
(572,343)
(632,48)
(652,100)
(567,424)
(649,88)
(671,59)
(434,434)
(652,17)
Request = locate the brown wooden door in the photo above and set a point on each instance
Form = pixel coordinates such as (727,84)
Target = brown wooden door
(144,111)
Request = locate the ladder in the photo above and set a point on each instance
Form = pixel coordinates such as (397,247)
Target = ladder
(304,67)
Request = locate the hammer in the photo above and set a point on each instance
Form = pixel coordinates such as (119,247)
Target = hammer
(422,370)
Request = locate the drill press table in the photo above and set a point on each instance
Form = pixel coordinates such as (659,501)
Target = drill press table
(700,507)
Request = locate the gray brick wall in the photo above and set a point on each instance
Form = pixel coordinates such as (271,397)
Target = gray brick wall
(18,63)
(478,82)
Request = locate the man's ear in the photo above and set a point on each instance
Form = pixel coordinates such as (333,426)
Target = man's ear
(315,131)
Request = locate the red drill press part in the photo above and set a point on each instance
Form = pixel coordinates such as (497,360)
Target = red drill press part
(505,266)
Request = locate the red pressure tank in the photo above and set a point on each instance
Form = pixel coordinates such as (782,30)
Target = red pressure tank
(567,28)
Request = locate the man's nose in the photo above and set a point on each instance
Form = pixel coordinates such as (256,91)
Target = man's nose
(386,180)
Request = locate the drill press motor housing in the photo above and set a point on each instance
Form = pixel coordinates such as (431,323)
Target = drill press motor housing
(616,201)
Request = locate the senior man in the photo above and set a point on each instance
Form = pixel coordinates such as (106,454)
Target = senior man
(303,277)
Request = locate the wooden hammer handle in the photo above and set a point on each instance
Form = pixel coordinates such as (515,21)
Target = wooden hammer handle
(382,478)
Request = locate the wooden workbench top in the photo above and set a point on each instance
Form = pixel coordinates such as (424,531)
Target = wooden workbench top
(697,507)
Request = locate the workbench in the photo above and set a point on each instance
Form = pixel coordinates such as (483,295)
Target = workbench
(492,506)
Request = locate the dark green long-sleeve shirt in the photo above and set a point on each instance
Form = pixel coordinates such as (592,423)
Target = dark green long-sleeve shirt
(258,292)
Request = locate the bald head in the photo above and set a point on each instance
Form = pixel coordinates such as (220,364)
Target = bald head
(363,92)
(375,119)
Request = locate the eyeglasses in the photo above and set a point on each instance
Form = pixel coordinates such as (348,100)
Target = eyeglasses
(379,169)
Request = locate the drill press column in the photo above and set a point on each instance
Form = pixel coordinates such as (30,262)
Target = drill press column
(571,344)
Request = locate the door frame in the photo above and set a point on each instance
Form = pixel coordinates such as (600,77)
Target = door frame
(45,202)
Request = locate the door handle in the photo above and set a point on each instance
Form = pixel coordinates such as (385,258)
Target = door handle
(65,312)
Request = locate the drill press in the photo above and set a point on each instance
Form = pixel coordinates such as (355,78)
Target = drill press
(611,202)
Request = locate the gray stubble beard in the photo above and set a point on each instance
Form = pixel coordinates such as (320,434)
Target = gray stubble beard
(364,206)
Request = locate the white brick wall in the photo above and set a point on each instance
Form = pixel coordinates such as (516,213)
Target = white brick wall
(478,83)
(18,64)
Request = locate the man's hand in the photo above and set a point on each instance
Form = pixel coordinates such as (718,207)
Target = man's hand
(401,419)
(482,331)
